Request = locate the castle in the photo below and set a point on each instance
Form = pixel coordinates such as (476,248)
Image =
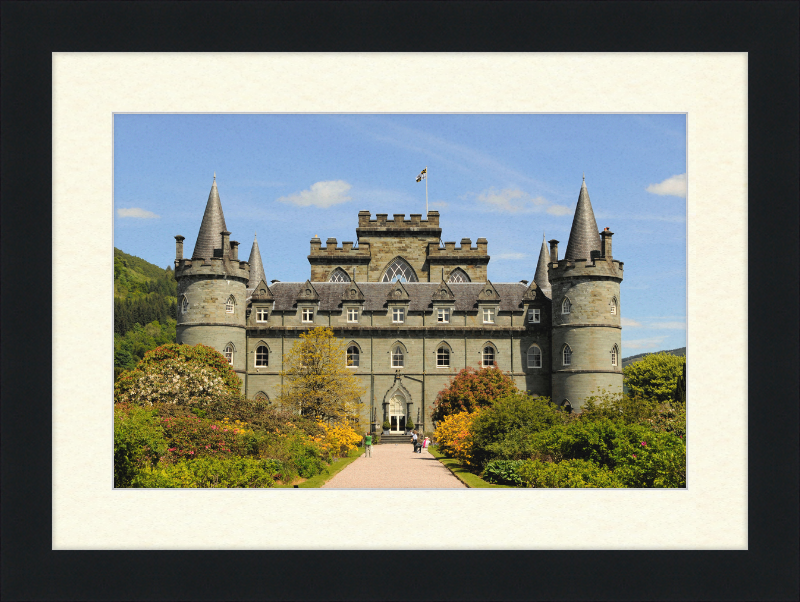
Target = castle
(412,311)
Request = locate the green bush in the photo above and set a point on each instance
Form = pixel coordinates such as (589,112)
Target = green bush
(139,442)
(505,430)
(592,441)
(503,472)
(655,376)
(212,473)
(618,407)
(566,474)
(646,458)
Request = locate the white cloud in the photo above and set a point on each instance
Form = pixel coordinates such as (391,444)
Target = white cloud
(642,343)
(321,194)
(629,322)
(440,204)
(509,256)
(673,186)
(669,325)
(136,212)
(514,200)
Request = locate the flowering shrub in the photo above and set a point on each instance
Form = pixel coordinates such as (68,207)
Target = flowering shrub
(198,355)
(338,439)
(454,438)
(170,381)
(644,458)
(569,473)
(190,437)
(212,473)
(471,389)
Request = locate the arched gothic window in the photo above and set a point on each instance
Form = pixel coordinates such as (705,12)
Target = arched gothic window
(353,356)
(399,269)
(230,304)
(443,357)
(566,306)
(567,355)
(398,357)
(458,275)
(261,396)
(184,304)
(567,406)
(614,355)
(228,353)
(534,357)
(488,356)
(262,356)
(339,275)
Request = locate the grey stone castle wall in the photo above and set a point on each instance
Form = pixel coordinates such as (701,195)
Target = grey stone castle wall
(590,329)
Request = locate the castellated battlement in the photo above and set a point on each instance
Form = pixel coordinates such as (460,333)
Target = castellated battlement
(398,221)
(464,250)
(331,249)
(213,267)
(597,266)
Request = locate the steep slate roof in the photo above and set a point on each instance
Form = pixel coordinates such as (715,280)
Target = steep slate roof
(541,278)
(256,267)
(213,223)
(584,237)
(420,295)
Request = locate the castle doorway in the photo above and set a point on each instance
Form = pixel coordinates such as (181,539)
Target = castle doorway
(397,414)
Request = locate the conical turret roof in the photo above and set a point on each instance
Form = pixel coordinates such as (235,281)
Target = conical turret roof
(584,237)
(541,278)
(209,237)
(256,267)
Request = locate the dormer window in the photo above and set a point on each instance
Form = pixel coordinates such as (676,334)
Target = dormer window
(352,314)
(308,315)
(566,306)
(443,315)
(230,305)
(398,315)
(262,314)
(488,315)
(534,316)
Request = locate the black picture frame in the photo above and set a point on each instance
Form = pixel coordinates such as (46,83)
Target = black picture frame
(767,31)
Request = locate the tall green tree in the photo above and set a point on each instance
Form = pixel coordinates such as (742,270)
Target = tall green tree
(318,382)
(655,376)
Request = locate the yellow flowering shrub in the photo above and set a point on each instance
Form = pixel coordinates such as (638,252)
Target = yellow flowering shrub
(454,437)
(337,439)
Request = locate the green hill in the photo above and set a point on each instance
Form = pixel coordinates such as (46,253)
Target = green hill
(145,298)
(636,358)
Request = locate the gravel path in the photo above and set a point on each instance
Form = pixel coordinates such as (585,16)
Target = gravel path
(395,467)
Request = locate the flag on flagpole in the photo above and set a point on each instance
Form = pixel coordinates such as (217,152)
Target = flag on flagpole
(423,175)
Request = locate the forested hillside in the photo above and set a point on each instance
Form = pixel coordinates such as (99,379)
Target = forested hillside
(636,358)
(144,308)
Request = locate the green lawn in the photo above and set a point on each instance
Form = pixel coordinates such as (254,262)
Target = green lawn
(327,474)
(461,472)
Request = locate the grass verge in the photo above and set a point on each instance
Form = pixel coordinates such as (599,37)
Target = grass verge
(326,475)
(461,472)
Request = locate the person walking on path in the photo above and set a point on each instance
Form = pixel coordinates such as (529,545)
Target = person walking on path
(368,445)
(415,441)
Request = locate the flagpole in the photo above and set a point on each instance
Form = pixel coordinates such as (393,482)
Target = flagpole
(426,192)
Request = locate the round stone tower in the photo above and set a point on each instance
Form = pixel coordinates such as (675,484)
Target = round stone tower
(212,289)
(586,341)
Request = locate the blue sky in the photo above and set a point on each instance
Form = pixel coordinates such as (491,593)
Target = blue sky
(507,178)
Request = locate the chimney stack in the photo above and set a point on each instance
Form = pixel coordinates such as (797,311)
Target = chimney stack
(179,247)
(234,251)
(553,250)
(226,237)
(605,236)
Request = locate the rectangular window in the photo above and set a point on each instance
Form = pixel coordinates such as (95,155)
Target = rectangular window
(308,314)
(613,309)
(352,314)
(534,316)
(442,357)
(443,316)
(488,315)
(398,314)
(261,314)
